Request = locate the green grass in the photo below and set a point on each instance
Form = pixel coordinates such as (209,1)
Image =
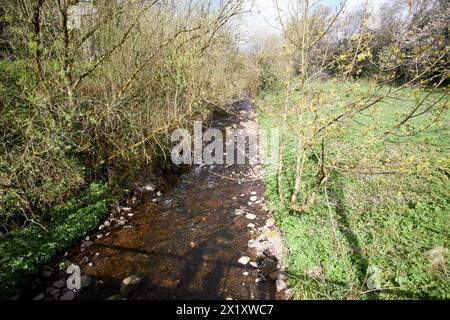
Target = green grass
(23,252)
(396,223)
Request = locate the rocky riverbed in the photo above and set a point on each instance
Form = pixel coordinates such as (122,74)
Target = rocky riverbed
(210,235)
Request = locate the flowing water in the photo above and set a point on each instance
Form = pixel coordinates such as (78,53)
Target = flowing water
(187,241)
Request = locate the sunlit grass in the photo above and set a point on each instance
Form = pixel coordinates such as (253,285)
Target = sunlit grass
(396,222)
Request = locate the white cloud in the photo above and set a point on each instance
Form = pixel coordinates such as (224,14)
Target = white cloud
(261,20)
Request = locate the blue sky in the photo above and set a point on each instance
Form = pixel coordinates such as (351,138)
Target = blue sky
(263,19)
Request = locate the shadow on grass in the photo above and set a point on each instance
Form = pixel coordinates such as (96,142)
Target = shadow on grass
(337,199)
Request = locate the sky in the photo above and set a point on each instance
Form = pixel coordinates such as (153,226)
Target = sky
(263,19)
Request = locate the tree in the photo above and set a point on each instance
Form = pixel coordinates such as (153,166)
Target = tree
(321,124)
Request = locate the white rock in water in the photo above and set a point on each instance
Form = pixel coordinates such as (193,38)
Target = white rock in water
(126,209)
(254,193)
(244,260)
(150,187)
(107,224)
(253,199)
(251,226)
(250,216)
(246,274)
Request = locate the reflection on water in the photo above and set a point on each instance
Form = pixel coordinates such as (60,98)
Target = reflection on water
(188,243)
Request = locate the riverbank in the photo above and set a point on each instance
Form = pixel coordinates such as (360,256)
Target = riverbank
(371,233)
(205,236)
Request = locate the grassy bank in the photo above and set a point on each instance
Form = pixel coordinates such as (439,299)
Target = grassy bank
(24,251)
(369,235)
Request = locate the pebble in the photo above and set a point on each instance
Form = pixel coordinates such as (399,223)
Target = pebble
(250,216)
(268,266)
(251,226)
(270,223)
(39,297)
(107,224)
(253,244)
(59,284)
(129,284)
(276,275)
(244,260)
(281,285)
(87,244)
(69,295)
(254,199)
(55,292)
(246,274)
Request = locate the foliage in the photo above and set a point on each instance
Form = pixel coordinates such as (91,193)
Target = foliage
(91,91)
(394,220)
(24,251)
